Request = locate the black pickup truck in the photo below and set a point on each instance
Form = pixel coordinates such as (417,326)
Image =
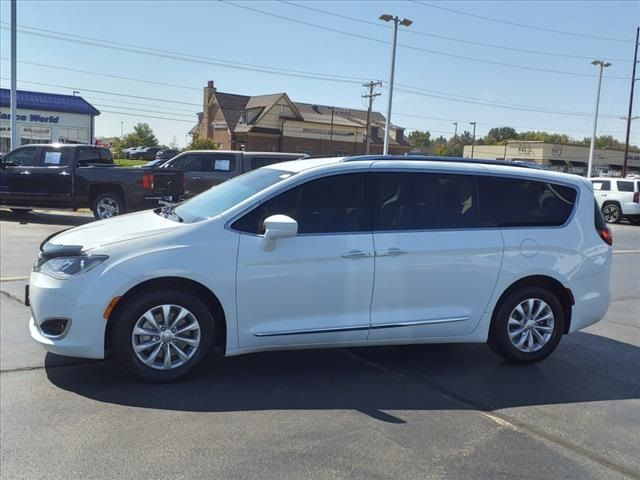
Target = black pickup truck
(81,176)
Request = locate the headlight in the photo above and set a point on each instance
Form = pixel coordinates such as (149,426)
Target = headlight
(67,267)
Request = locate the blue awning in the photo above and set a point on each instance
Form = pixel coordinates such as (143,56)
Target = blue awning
(51,102)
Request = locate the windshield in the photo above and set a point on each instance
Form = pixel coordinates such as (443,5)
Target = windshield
(224,196)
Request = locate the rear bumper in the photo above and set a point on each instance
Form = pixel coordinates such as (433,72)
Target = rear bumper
(631,209)
(592,297)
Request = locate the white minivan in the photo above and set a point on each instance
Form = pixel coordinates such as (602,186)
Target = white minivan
(331,252)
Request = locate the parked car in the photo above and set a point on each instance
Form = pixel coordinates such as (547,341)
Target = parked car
(167,154)
(618,198)
(148,153)
(80,176)
(285,257)
(205,168)
(126,153)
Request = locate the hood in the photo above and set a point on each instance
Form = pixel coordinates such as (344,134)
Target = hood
(113,230)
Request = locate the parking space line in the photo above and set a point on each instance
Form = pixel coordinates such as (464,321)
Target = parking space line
(13,279)
(615,252)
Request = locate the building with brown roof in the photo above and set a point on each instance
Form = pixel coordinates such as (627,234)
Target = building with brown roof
(274,123)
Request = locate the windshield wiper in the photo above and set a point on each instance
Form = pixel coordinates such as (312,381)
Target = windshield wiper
(169,211)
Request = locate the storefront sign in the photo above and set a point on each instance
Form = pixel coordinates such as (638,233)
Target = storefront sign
(36,133)
(34,117)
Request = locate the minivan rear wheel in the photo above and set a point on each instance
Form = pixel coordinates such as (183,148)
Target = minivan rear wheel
(527,325)
(162,335)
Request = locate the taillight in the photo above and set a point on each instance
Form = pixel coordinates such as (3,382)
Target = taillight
(606,235)
(636,197)
(147,181)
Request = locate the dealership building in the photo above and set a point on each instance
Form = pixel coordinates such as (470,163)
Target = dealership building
(47,118)
(560,157)
(275,123)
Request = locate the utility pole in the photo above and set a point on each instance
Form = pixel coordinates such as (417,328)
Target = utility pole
(370,96)
(15,137)
(331,134)
(602,65)
(473,141)
(629,116)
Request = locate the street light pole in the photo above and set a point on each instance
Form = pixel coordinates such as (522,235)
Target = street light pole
(473,140)
(405,22)
(121,129)
(592,146)
(15,137)
(455,132)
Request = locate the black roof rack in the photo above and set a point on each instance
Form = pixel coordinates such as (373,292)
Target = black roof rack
(433,158)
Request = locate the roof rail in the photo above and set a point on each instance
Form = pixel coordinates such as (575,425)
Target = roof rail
(433,158)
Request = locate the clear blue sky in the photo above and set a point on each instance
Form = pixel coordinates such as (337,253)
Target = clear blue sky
(227,33)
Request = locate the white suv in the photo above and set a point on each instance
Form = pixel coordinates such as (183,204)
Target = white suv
(618,198)
(338,252)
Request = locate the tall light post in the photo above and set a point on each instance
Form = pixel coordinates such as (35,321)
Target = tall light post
(592,146)
(455,132)
(405,22)
(121,129)
(15,136)
(473,138)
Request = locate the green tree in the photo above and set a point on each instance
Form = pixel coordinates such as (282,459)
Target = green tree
(420,139)
(145,133)
(202,144)
(500,135)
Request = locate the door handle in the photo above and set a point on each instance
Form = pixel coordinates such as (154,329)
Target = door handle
(195,178)
(355,254)
(64,174)
(392,252)
(26,172)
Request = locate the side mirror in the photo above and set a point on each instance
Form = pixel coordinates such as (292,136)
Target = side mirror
(280,226)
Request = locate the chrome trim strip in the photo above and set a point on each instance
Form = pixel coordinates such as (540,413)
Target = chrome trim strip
(311,330)
(360,327)
(419,322)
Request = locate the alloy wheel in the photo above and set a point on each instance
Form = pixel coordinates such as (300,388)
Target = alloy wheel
(108,207)
(166,337)
(530,325)
(611,213)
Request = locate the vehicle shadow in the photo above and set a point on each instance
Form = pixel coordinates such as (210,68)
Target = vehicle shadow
(585,368)
(45,218)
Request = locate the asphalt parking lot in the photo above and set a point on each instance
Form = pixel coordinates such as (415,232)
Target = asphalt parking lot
(441,411)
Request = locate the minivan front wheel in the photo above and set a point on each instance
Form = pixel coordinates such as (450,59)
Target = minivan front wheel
(527,325)
(162,335)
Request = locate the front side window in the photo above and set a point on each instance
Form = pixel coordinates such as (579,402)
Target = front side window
(625,186)
(514,202)
(422,201)
(220,163)
(22,157)
(331,204)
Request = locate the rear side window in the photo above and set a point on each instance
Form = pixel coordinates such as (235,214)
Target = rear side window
(422,201)
(625,186)
(259,162)
(512,202)
(603,185)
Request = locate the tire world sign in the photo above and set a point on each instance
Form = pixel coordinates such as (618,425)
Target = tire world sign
(33,117)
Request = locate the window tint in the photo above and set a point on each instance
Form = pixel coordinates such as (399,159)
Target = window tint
(625,186)
(511,202)
(55,157)
(602,185)
(219,163)
(326,205)
(88,155)
(419,201)
(106,156)
(188,163)
(23,157)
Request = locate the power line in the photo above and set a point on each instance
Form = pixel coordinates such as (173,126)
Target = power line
(101,105)
(128,103)
(420,49)
(147,116)
(522,25)
(413,31)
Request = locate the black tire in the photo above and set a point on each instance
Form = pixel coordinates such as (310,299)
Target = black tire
(127,317)
(112,199)
(611,212)
(499,339)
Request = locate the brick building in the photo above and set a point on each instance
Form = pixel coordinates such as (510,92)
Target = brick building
(275,123)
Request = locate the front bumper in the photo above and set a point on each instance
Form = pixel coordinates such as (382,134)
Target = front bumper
(82,300)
